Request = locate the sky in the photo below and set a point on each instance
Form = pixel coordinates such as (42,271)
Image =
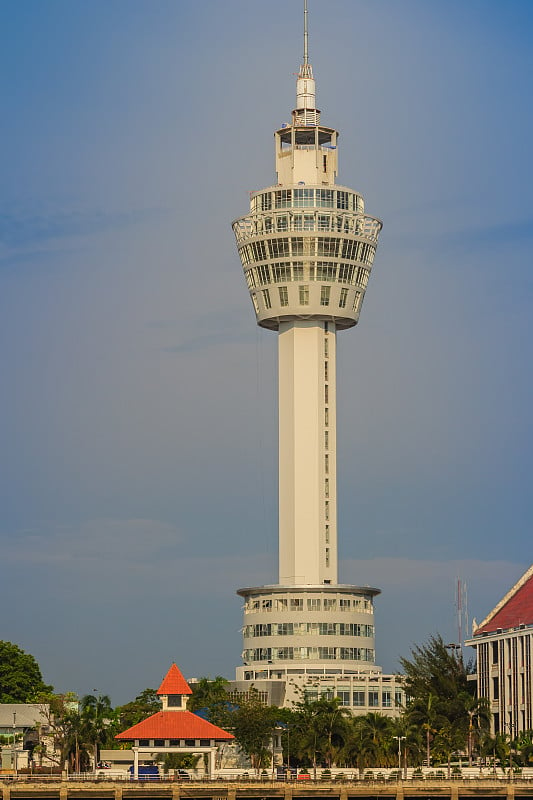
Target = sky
(138,421)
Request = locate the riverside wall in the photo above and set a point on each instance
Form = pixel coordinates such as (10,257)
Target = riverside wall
(515,789)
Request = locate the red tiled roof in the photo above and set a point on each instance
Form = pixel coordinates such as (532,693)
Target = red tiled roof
(174,725)
(515,609)
(174,683)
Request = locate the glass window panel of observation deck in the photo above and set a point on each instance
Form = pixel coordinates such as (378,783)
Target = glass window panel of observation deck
(343,297)
(281,273)
(324,198)
(373,699)
(266,201)
(283,198)
(327,246)
(282,222)
(278,247)
(303,198)
(342,199)
(323,222)
(324,271)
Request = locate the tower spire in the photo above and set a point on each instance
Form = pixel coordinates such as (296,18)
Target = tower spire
(306,34)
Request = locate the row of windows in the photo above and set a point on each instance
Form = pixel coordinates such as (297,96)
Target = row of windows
(358,698)
(175,742)
(303,299)
(290,271)
(308,628)
(313,604)
(312,247)
(308,198)
(308,653)
(314,221)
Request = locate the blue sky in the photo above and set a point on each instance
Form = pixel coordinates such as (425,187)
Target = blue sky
(138,424)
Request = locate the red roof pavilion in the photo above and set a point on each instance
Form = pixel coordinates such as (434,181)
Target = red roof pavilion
(515,609)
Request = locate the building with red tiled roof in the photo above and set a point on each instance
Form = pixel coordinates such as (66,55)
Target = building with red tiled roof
(174,729)
(504,648)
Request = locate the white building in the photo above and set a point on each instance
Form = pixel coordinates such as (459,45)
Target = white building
(307,249)
(504,649)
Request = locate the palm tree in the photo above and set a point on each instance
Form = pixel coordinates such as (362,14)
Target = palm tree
(373,740)
(425,711)
(477,716)
(97,718)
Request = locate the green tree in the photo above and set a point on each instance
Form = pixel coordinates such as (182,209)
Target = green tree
(20,675)
(434,670)
(253,726)
(98,720)
(426,713)
(319,730)
(145,704)
(211,695)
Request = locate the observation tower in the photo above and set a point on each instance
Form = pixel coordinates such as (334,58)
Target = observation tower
(307,249)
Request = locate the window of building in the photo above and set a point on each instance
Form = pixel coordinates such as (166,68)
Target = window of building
(327,556)
(283,198)
(263,273)
(356,300)
(297,604)
(327,534)
(266,298)
(343,297)
(326,464)
(283,296)
(298,222)
(326,346)
(327,246)
(326,511)
(282,222)
(173,742)
(326,439)
(304,295)
(205,742)
(255,303)
(297,271)
(281,272)
(326,653)
(258,251)
(266,201)
(159,742)
(278,247)
(358,698)
(326,391)
(174,700)
(386,699)
(324,198)
(342,199)
(398,699)
(323,222)
(373,698)
(309,222)
(346,273)
(344,604)
(344,697)
(297,246)
(304,198)
(313,604)
(266,604)
(362,276)
(281,604)
(330,604)
(326,487)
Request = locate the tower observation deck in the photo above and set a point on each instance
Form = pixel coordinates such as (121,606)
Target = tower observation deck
(307,249)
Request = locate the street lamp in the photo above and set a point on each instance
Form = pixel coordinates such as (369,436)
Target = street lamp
(454,647)
(14,759)
(399,754)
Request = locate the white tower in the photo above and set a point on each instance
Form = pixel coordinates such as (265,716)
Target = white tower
(307,249)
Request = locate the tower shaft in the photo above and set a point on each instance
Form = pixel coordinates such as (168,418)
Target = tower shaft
(307,463)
